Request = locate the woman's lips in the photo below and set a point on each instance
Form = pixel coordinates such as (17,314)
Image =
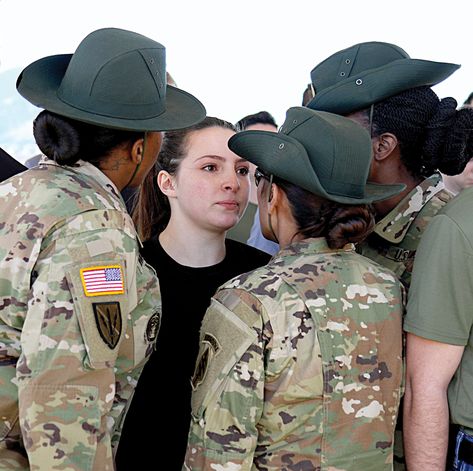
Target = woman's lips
(231,204)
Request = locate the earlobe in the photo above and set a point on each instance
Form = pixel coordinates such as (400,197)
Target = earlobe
(166,183)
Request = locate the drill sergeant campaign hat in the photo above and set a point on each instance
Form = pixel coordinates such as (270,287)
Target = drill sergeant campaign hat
(115,79)
(369,72)
(324,153)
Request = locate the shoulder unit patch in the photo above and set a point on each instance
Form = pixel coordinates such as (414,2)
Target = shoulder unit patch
(108,319)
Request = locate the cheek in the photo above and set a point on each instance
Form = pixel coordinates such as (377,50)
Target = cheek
(195,194)
(245,184)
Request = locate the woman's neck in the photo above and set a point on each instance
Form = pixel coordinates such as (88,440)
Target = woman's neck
(192,247)
(386,206)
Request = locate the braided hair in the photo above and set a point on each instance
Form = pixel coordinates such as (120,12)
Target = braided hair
(432,133)
(152,211)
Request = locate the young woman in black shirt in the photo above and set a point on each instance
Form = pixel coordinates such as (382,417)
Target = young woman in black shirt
(199,189)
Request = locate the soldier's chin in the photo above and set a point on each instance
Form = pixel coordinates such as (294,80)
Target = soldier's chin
(230,223)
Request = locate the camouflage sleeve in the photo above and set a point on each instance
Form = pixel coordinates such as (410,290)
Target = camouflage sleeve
(228,385)
(144,321)
(78,315)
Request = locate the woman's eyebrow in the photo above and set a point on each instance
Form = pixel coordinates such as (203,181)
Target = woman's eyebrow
(211,156)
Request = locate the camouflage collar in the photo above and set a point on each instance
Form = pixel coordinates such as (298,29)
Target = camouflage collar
(394,226)
(311,246)
(86,168)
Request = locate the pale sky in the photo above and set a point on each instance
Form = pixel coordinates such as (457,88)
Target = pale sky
(242,57)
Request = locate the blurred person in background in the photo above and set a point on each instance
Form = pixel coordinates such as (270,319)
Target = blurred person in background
(249,229)
(9,166)
(456,183)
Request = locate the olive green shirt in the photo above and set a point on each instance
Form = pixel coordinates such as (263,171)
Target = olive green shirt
(441,298)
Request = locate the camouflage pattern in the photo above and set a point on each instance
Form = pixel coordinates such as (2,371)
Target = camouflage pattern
(300,366)
(63,389)
(396,237)
(393,244)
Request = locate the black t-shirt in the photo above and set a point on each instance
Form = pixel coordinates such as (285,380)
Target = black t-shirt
(148,441)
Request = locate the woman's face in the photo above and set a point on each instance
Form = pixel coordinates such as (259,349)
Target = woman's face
(212,183)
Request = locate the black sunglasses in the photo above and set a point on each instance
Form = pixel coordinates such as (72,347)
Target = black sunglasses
(259,175)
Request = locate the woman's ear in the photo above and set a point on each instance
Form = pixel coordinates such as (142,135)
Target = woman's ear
(384,145)
(137,151)
(166,183)
(274,198)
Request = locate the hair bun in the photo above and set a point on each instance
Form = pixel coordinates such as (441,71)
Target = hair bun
(349,224)
(56,138)
(458,148)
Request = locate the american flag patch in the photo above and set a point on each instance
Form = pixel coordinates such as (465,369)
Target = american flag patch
(100,281)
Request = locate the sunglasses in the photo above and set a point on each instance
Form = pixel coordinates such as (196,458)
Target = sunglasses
(259,175)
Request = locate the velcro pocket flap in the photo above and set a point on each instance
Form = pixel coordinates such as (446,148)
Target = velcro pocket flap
(224,338)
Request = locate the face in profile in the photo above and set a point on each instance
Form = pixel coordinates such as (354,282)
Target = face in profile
(211,186)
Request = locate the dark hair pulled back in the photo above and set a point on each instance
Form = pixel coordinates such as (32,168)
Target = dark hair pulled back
(66,140)
(315,216)
(262,117)
(432,133)
(152,210)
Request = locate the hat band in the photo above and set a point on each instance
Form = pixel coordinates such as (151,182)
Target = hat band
(347,189)
(114,109)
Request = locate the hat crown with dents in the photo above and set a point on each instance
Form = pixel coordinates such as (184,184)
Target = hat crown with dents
(366,73)
(116,78)
(106,59)
(324,153)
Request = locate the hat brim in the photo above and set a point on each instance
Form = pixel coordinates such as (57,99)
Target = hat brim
(40,81)
(371,86)
(286,158)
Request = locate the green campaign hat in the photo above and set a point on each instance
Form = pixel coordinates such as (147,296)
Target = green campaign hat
(324,153)
(116,79)
(369,72)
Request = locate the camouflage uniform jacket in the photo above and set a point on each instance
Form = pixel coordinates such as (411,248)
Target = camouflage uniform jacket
(79,314)
(394,241)
(299,366)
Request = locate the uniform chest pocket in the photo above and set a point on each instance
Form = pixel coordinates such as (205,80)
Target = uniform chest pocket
(99,295)
(224,340)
